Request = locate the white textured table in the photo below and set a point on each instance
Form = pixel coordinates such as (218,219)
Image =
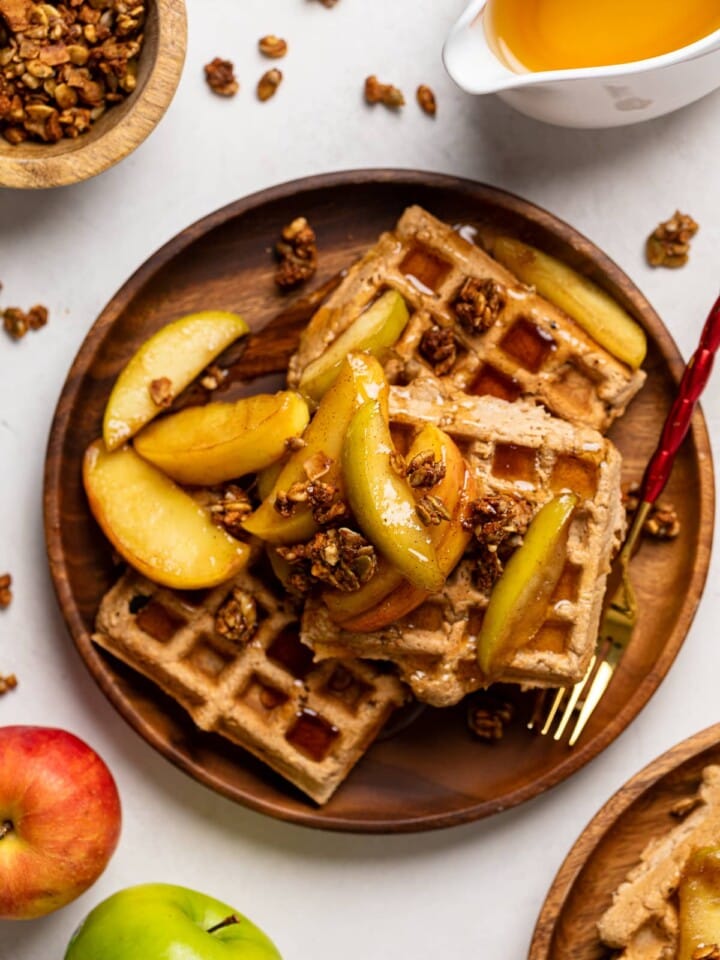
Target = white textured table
(470,891)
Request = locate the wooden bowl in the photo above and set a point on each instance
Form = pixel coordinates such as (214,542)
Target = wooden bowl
(431,773)
(611,845)
(122,127)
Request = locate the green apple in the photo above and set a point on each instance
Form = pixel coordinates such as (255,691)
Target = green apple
(699,895)
(375,330)
(177,352)
(383,501)
(519,600)
(160,921)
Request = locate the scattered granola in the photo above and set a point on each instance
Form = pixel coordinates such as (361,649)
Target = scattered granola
(426,100)
(424,470)
(325,506)
(17,322)
(220,77)
(385,93)
(339,557)
(212,377)
(232,507)
(5,591)
(63,64)
(478,304)
(8,682)
(662,522)
(268,84)
(273,47)
(161,392)
(432,510)
(438,347)
(487,717)
(293,444)
(297,251)
(237,618)
(669,243)
(498,524)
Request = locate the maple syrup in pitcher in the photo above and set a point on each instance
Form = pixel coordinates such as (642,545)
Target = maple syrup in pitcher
(539,35)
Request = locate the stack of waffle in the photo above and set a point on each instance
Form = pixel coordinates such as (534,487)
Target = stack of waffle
(474,327)
(519,451)
(309,722)
(642,922)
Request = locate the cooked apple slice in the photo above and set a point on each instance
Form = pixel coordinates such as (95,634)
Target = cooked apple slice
(376,329)
(155,525)
(593,309)
(699,893)
(221,441)
(382,501)
(172,357)
(519,600)
(361,378)
(387,579)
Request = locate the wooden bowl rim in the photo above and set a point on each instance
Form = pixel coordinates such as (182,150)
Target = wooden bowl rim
(476,192)
(122,137)
(603,822)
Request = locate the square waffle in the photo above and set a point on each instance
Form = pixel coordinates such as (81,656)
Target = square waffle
(513,449)
(309,722)
(530,349)
(642,921)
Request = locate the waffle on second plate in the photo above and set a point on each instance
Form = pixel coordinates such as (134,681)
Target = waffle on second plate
(514,450)
(232,658)
(473,326)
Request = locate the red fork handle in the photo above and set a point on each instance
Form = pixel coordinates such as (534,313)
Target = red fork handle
(677,424)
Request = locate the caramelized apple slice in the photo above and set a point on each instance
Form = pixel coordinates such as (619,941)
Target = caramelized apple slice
(171,358)
(376,329)
(361,378)
(519,600)
(451,545)
(699,893)
(387,579)
(221,441)
(593,309)
(155,525)
(383,502)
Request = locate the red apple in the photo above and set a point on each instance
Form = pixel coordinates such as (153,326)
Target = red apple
(59,819)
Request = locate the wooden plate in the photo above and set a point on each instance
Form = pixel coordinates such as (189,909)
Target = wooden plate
(611,845)
(430,773)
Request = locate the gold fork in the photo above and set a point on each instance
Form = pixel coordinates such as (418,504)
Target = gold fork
(620,614)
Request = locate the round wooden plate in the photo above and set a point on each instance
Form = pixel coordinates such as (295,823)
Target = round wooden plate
(611,845)
(430,773)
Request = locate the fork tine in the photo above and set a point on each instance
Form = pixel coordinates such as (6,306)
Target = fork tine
(554,707)
(574,697)
(597,689)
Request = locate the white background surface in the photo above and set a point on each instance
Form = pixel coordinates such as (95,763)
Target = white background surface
(470,891)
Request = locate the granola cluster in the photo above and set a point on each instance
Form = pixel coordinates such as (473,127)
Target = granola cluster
(385,93)
(7,682)
(220,77)
(498,525)
(17,322)
(297,253)
(62,64)
(669,243)
(230,509)
(5,591)
(237,618)
(478,304)
(438,347)
(662,522)
(487,717)
(339,557)
(424,470)
(321,497)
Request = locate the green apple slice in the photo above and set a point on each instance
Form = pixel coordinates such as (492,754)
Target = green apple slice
(207,445)
(178,352)
(383,502)
(361,378)
(699,894)
(376,329)
(519,600)
(155,525)
(593,309)
(161,921)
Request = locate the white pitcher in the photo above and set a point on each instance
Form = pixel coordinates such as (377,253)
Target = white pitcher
(589,97)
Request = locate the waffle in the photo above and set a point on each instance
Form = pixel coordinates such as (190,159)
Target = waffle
(518,450)
(309,722)
(642,921)
(531,349)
